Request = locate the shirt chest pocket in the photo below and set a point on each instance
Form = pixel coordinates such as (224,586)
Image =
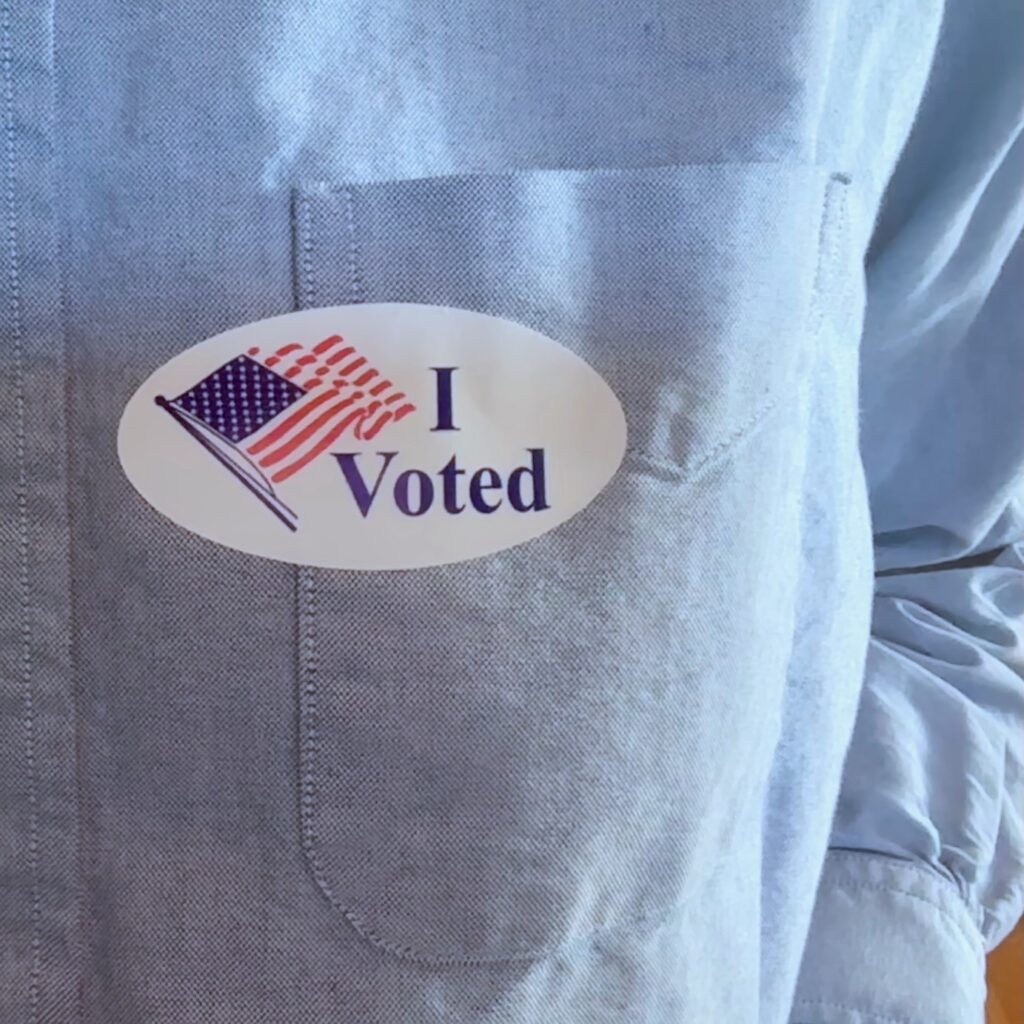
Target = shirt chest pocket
(508,754)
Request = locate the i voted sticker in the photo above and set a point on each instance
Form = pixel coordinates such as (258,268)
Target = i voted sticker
(373,436)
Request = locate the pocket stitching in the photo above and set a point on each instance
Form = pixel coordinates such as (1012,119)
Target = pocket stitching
(716,454)
(306,600)
(833,213)
(306,582)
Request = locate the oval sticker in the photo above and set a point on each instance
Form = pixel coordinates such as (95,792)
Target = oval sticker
(373,436)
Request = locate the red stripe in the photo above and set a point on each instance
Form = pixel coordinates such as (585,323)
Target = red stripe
(321,446)
(338,356)
(308,431)
(368,411)
(378,388)
(292,420)
(363,378)
(388,414)
(371,431)
(326,344)
(354,365)
(282,351)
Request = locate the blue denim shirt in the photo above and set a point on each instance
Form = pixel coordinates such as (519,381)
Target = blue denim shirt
(742,742)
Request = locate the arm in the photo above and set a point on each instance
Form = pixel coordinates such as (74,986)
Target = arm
(926,870)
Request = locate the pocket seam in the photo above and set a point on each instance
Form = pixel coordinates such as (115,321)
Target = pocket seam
(306,594)
(832,224)
(833,230)
(329,185)
(306,577)
(719,453)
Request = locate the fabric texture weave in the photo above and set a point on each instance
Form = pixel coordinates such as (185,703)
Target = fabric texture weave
(741,741)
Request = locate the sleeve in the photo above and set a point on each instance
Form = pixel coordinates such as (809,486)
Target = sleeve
(926,867)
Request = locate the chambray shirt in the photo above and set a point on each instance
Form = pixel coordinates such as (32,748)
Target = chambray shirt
(742,742)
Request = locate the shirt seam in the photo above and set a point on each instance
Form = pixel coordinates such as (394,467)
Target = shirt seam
(21,492)
(929,877)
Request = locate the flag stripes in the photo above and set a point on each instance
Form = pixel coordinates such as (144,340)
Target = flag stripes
(333,403)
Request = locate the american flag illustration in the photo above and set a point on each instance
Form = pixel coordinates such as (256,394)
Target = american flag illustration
(266,417)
